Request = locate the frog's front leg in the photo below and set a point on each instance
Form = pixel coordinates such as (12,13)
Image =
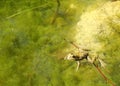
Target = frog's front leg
(78,65)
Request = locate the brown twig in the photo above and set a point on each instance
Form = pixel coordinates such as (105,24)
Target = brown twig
(76,45)
(103,75)
(56,13)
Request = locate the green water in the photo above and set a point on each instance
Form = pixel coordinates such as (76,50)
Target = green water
(32,47)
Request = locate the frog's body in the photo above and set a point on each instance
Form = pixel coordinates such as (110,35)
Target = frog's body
(83,55)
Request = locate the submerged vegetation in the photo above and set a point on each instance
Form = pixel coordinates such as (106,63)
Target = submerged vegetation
(32,43)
